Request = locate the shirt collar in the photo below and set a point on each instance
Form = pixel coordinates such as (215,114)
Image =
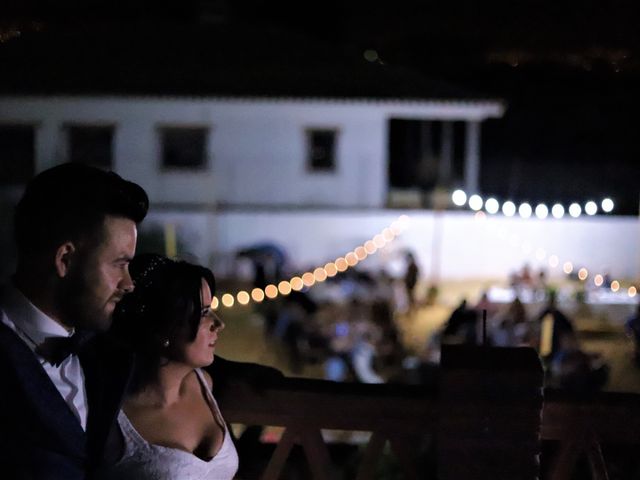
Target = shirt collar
(30,319)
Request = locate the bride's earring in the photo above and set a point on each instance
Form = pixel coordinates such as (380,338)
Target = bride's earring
(166,343)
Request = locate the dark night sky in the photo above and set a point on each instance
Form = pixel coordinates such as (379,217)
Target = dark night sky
(569,71)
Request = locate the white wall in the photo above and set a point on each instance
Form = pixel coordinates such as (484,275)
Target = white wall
(256,152)
(467,248)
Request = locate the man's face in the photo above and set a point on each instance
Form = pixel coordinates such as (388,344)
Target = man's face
(99,276)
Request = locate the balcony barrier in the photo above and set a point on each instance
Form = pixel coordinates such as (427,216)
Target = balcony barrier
(487,418)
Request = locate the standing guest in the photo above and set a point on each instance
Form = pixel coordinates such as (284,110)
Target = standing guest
(411,279)
(75,230)
(170,423)
(632,329)
(562,325)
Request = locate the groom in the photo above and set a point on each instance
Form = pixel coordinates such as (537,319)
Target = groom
(75,230)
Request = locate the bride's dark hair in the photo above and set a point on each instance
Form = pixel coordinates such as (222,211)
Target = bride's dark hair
(162,312)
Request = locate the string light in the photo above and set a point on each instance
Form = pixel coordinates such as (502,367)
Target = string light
(575,210)
(553,260)
(370,247)
(271,291)
(297,284)
(284,288)
(387,234)
(319,274)
(480,216)
(459,198)
(243,298)
(524,210)
(341,264)
(308,279)
(331,269)
(542,211)
(475,202)
(492,206)
(378,241)
(583,273)
(361,253)
(228,300)
(557,211)
(509,209)
(257,295)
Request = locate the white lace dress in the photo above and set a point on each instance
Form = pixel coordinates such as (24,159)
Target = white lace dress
(145,461)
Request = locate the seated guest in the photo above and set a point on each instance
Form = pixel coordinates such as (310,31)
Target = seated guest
(170,424)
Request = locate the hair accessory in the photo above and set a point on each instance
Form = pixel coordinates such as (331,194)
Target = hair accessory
(145,278)
(166,343)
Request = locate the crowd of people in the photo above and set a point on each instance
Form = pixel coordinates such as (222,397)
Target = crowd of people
(349,326)
(346,325)
(549,330)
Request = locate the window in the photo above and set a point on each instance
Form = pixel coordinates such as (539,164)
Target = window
(17,154)
(183,147)
(91,145)
(321,150)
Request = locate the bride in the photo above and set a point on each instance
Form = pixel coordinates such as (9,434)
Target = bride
(170,423)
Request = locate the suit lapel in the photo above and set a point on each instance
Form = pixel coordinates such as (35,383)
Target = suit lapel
(42,396)
(107,371)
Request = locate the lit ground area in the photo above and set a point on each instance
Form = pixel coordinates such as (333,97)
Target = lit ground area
(599,331)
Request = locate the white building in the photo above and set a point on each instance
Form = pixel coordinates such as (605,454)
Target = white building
(240,152)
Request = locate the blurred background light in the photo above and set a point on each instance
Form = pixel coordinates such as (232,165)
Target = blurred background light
(591,208)
(243,297)
(257,294)
(271,291)
(607,205)
(475,202)
(492,206)
(575,210)
(284,287)
(228,300)
(557,211)
(509,208)
(459,198)
(542,211)
(583,273)
(524,210)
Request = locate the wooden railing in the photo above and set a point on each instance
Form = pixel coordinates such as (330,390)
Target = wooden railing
(304,407)
(399,414)
(583,425)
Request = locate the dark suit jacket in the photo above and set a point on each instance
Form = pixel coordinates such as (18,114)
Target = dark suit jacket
(40,438)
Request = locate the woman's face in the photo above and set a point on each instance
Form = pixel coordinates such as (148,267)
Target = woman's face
(200,352)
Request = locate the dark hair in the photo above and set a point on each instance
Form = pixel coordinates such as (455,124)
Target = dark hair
(164,305)
(70,202)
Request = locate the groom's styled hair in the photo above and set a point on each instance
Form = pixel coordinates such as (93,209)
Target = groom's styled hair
(69,202)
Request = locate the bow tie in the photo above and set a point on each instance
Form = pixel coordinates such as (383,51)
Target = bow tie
(55,349)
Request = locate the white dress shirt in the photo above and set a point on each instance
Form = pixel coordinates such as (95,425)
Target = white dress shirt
(33,326)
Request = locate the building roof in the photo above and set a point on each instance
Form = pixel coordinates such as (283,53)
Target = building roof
(221,60)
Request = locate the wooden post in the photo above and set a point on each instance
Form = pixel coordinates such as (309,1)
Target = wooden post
(490,413)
